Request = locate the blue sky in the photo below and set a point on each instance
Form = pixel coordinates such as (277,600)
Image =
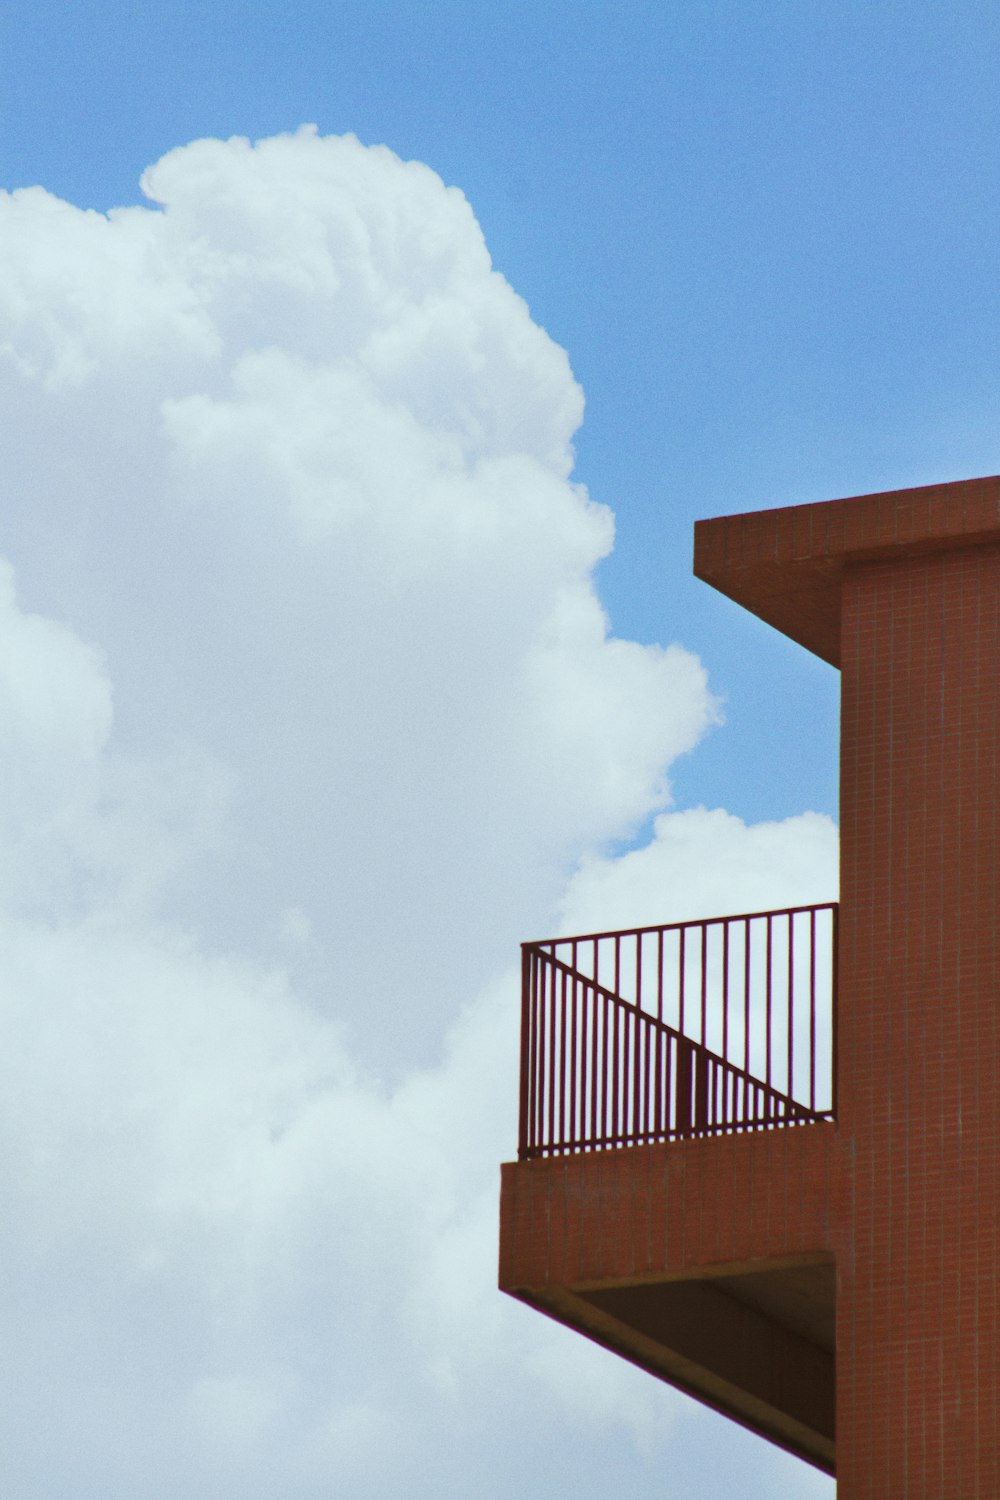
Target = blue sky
(316,762)
(765,236)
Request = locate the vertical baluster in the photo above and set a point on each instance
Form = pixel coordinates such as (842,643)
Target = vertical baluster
(539,1040)
(586,1083)
(812,1009)
(620,1108)
(563,1017)
(551,1070)
(573,1064)
(649,1035)
(789,1088)
(543,1034)
(595,1072)
(626,1076)
(681,970)
(768,957)
(524,1141)
(636,1107)
(725,990)
(658,1109)
(704,982)
(615,1068)
(533,1058)
(746,996)
(659,975)
(640,1097)
(835,1005)
(605,1064)
(670,1086)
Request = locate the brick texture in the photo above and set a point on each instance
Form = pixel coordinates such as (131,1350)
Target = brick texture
(918,1335)
(666,1211)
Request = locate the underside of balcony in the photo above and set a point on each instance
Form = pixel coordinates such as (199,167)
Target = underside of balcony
(706,1262)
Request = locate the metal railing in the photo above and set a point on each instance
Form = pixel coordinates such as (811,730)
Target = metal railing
(691,1029)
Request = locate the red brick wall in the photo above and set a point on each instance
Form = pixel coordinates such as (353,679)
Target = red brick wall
(918,1251)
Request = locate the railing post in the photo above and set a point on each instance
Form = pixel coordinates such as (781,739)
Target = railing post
(701,1090)
(683,1115)
(693,1088)
(523,1143)
(835,1003)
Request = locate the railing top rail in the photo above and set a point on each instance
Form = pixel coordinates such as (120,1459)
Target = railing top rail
(743,916)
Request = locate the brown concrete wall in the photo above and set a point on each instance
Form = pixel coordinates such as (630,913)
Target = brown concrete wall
(918,1251)
(674,1210)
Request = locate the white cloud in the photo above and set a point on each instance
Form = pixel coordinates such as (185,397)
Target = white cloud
(703,863)
(291,493)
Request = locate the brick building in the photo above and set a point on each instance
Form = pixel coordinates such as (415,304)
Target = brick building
(760,1155)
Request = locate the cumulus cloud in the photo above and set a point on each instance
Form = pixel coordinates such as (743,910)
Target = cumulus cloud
(308,711)
(305,457)
(705,863)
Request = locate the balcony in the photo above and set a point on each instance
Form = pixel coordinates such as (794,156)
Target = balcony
(690,1029)
(702,1256)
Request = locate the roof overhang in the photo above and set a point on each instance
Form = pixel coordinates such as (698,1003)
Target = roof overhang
(785,565)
